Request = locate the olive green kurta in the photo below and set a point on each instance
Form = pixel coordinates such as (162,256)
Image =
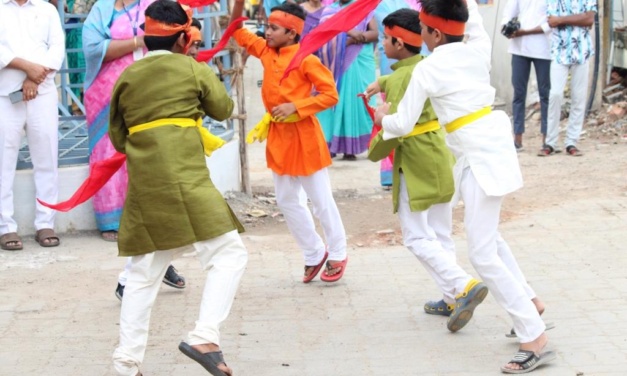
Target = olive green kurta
(171,201)
(425,160)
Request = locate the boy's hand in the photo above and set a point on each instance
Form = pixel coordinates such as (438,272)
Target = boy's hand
(372,89)
(554,21)
(283,110)
(380,112)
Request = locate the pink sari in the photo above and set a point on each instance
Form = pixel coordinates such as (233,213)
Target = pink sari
(109,201)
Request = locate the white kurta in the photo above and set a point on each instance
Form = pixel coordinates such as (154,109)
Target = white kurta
(456,77)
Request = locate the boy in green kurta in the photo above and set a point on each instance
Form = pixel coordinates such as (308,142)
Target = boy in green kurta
(423,172)
(172,206)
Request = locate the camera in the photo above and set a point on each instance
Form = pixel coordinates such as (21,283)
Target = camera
(511,27)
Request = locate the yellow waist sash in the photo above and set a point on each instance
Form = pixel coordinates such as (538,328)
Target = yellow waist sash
(260,132)
(429,126)
(465,120)
(209,142)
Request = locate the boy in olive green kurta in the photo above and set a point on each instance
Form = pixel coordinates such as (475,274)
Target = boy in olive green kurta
(172,206)
(423,167)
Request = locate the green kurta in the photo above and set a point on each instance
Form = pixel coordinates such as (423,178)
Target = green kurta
(425,160)
(171,201)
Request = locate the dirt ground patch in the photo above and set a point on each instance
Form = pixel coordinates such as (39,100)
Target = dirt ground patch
(369,221)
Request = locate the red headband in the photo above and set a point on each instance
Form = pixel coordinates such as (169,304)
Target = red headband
(156,28)
(404,35)
(449,27)
(288,21)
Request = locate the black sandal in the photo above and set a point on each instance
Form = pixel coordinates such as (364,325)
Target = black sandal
(208,361)
(528,361)
(172,278)
(546,151)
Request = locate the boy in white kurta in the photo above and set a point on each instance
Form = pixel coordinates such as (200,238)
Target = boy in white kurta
(456,78)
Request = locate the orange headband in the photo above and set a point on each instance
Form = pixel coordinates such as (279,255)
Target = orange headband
(288,21)
(195,34)
(404,35)
(156,28)
(449,27)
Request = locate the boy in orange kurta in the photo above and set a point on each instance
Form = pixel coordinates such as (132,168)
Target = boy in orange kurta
(297,151)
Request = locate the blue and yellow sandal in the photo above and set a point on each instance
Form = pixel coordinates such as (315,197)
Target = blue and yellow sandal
(440,308)
(465,304)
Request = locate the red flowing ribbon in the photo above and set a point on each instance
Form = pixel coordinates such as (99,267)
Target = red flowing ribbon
(343,21)
(196,3)
(375,128)
(99,175)
(204,56)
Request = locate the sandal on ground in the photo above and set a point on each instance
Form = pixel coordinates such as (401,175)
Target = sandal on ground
(316,269)
(172,278)
(440,308)
(512,333)
(528,361)
(349,157)
(209,361)
(546,151)
(11,241)
(109,236)
(465,304)
(572,150)
(334,265)
(47,238)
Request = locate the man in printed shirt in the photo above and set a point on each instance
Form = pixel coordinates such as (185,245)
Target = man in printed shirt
(528,45)
(32,48)
(571,48)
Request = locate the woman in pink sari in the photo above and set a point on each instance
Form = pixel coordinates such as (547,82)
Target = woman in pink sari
(112,40)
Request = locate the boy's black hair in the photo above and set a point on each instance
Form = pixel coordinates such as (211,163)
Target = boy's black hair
(407,19)
(293,9)
(196,23)
(166,11)
(455,10)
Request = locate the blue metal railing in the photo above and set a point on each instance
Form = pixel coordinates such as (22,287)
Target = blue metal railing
(73,140)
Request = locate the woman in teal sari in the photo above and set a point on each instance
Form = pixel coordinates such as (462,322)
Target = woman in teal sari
(350,56)
(111,34)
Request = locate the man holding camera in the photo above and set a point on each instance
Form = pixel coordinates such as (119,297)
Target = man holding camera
(525,24)
(32,48)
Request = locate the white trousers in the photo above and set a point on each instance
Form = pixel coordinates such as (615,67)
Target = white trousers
(39,119)
(123,276)
(494,261)
(578,95)
(224,258)
(427,234)
(289,198)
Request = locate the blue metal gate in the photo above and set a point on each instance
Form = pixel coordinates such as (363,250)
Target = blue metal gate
(73,141)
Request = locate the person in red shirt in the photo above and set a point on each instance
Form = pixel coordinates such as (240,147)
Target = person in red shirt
(296,151)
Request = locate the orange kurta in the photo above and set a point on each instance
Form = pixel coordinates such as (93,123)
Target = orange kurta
(296,149)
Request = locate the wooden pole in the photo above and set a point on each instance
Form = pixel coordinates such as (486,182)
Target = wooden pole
(241,121)
(237,81)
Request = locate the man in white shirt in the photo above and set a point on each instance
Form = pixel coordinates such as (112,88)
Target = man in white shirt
(32,48)
(529,45)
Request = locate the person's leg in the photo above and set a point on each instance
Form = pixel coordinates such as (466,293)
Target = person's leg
(481,219)
(543,76)
(578,96)
(224,258)
(318,189)
(298,218)
(506,255)
(559,76)
(142,286)
(421,239)
(42,131)
(12,121)
(521,66)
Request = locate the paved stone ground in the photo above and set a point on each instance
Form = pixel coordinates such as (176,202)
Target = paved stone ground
(58,314)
